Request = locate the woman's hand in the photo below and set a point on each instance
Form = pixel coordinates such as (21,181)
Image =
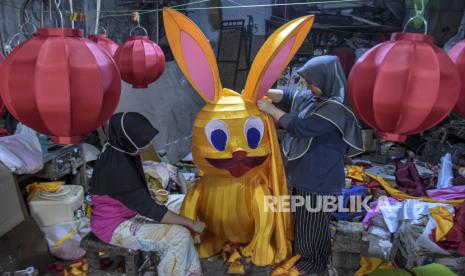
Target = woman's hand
(173,218)
(269,108)
(276,95)
(198,226)
(265,106)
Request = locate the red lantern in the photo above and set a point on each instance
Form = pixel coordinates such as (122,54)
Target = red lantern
(140,60)
(105,42)
(60,84)
(457,54)
(403,86)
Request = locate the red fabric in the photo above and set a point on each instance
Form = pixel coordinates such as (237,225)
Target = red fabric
(408,180)
(457,54)
(105,42)
(455,239)
(373,184)
(60,84)
(404,86)
(4,132)
(140,60)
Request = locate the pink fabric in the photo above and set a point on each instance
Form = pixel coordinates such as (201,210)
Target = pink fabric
(374,211)
(198,66)
(454,192)
(275,68)
(107,214)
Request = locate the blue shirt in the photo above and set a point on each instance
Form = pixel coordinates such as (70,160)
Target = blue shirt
(321,169)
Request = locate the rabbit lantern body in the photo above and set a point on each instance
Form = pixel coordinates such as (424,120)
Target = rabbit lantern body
(235,145)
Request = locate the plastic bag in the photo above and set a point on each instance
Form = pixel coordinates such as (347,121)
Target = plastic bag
(22,152)
(445,174)
(64,239)
(424,241)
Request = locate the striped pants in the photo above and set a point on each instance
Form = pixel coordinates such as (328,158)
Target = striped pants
(312,236)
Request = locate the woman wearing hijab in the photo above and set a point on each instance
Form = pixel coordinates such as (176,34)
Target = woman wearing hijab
(124,213)
(321,130)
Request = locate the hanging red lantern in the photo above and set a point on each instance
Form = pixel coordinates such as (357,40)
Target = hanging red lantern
(105,42)
(140,60)
(60,84)
(403,86)
(457,54)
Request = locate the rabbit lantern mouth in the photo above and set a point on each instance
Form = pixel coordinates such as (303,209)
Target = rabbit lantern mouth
(237,167)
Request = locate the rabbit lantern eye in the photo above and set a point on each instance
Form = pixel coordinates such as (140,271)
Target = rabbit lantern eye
(253,131)
(217,133)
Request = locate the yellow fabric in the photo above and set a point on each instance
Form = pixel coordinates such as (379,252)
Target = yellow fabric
(356,172)
(236,268)
(444,221)
(368,265)
(51,187)
(286,268)
(234,207)
(403,196)
(234,260)
(79,268)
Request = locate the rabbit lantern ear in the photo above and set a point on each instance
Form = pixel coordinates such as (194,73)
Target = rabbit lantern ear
(274,56)
(193,54)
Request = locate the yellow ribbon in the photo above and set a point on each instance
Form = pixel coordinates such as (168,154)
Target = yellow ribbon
(356,172)
(65,238)
(51,187)
(285,269)
(403,196)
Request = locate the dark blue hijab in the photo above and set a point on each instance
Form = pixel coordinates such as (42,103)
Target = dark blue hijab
(326,73)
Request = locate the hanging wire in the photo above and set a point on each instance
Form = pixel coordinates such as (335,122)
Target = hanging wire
(72,12)
(27,22)
(57,7)
(418,15)
(102,28)
(136,17)
(97,16)
(117,13)
(41,13)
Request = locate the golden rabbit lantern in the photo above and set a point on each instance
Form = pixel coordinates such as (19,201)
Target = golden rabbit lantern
(235,144)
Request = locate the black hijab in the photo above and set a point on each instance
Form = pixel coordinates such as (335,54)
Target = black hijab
(326,73)
(119,168)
